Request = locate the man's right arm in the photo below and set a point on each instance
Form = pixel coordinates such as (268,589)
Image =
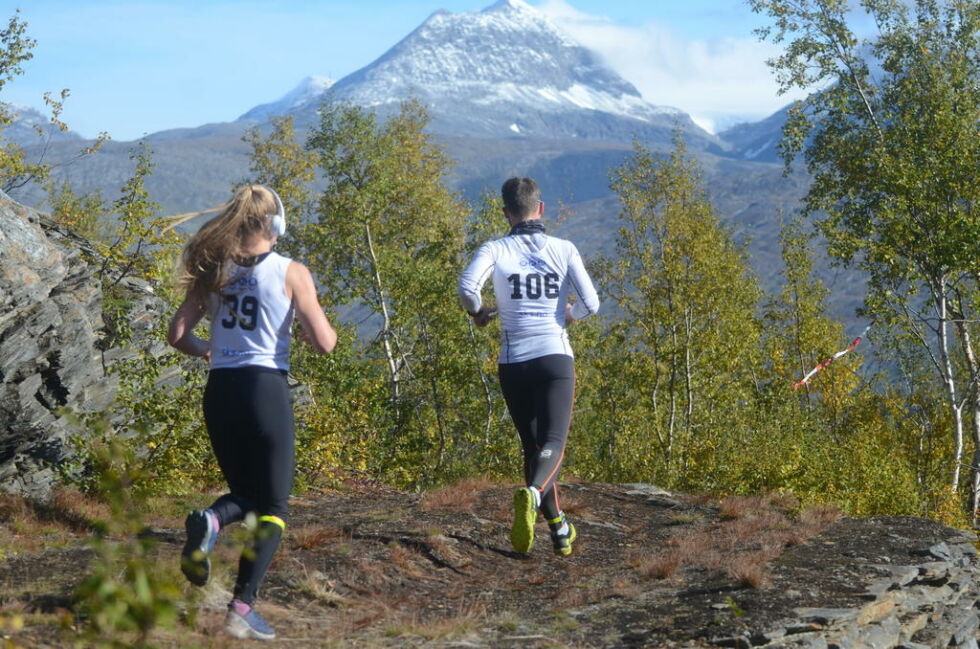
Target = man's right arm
(471,284)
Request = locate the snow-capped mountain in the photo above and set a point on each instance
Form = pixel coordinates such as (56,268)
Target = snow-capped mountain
(309,91)
(505,71)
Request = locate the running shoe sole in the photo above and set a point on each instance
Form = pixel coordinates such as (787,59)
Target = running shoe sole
(563,544)
(194,560)
(238,626)
(525,515)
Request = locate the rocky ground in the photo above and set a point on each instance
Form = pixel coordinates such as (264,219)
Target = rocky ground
(375,567)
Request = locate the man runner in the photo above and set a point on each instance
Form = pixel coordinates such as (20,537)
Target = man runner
(532,273)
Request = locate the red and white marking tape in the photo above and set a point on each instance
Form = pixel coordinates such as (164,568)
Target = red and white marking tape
(854,343)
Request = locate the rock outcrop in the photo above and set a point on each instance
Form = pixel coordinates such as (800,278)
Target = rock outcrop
(53,359)
(929,604)
(50,319)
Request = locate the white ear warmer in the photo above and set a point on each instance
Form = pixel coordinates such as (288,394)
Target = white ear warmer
(277,223)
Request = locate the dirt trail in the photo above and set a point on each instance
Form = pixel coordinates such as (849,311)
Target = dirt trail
(375,567)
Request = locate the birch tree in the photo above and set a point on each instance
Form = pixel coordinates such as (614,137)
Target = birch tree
(890,136)
(690,337)
(388,239)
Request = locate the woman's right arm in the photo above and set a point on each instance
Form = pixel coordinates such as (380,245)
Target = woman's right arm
(316,328)
(180,333)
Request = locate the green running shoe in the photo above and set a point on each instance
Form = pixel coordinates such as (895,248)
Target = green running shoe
(525,515)
(562,543)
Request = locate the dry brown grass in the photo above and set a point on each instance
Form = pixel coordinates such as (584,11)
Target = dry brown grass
(626,587)
(784,501)
(30,525)
(818,517)
(371,577)
(637,529)
(462,496)
(658,566)
(406,560)
(751,531)
(318,587)
(571,597)
(317,536)
(536,579)
(76,510)
(701,499)
(749,570)
(572,503)
(467,618)
(438,543)
(14,510)
(735,507)
(686,518)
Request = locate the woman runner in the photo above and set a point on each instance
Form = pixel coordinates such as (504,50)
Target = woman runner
(532,273)
(251,295)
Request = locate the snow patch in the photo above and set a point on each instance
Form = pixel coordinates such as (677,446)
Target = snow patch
(706,123)
(749,155)
(308,91)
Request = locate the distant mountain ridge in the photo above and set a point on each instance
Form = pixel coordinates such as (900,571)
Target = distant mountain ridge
(758,141)
(26,124)
(508,93)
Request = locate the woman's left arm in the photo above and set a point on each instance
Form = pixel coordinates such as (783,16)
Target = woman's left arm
(180,334)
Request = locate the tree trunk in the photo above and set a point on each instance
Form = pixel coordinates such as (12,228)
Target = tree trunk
(394,373)
(941,302)
(973,399)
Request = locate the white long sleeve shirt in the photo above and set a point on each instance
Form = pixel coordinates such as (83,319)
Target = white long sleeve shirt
(532,274)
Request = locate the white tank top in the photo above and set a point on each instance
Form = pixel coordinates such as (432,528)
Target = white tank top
(532,274)
(251,322)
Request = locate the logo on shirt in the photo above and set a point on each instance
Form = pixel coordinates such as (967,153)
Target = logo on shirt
(228,351)
(530,261)
(244,283)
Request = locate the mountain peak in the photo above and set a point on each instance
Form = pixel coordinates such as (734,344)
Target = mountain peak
(308,91)
(504,70)
(510,5)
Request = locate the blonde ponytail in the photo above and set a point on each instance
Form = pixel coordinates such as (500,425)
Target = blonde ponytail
(209,253)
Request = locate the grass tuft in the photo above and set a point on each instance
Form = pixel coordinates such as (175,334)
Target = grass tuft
(749,571)
(462,496)
(663,566)
(317,536)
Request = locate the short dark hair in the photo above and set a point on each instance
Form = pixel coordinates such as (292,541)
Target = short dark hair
(521,196)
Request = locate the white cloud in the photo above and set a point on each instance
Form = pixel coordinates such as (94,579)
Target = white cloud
(718,82)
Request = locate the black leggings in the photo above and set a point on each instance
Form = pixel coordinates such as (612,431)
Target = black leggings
(539,395)
(249,415)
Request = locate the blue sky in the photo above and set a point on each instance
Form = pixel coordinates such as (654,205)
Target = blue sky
(140,67)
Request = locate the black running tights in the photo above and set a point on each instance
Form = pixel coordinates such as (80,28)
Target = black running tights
(539,395)
(249,416)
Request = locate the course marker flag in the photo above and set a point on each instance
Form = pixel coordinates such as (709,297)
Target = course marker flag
(854,343)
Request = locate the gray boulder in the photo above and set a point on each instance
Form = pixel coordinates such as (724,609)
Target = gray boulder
(52,354)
